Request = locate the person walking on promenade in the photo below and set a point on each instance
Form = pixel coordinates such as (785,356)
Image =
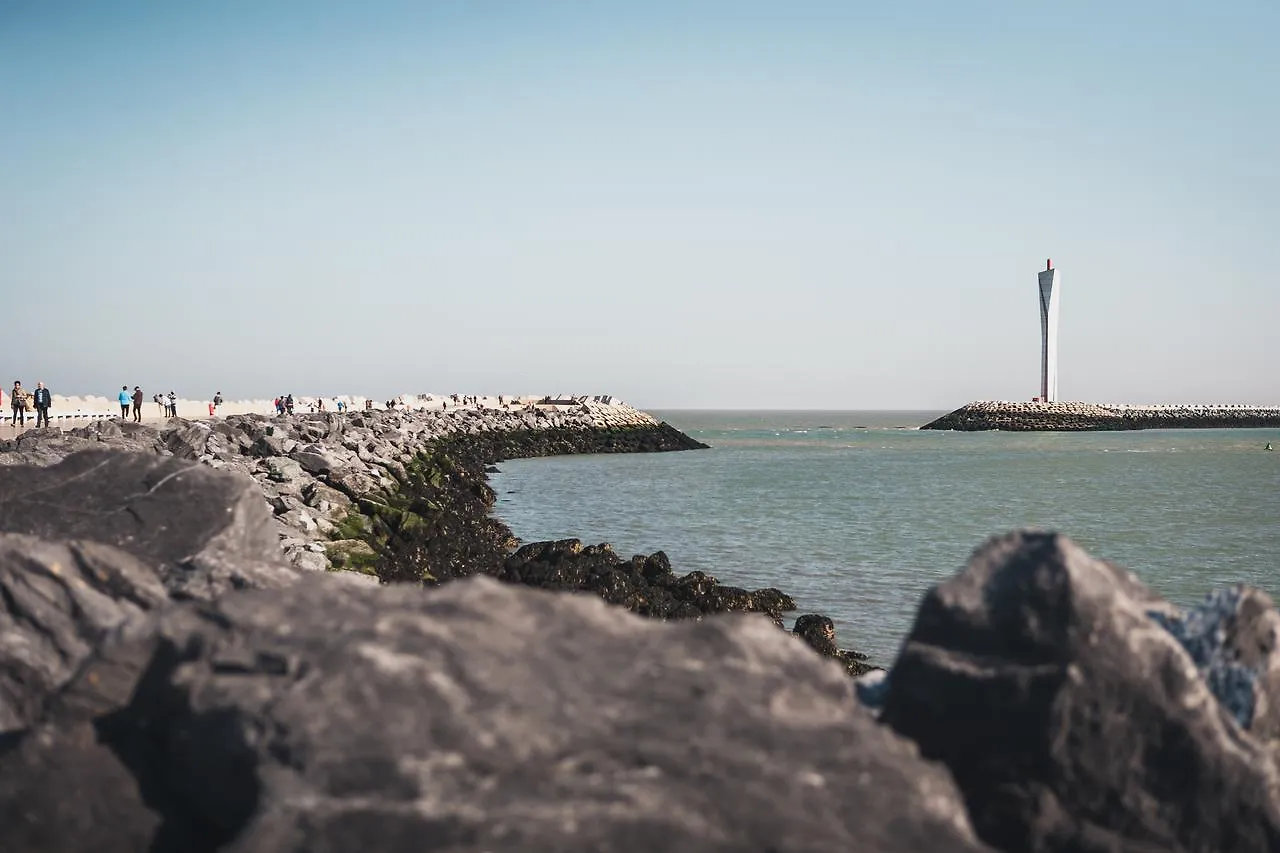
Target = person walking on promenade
(173,405)
(18,401)
(123,399)
(137,403)
(43,400)
(217,398)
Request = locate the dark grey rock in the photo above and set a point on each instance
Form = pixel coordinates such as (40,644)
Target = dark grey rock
(98,809)
(353,483)
(1071,720)
(57,602)
(283,469)
(186,439)
(268,445)
(205,531)
(313,462)
(325,500)
(475,717)
(44,447)
(819,633)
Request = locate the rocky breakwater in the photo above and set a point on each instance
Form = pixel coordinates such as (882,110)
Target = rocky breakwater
(1044,700)
(1051,417)
(402,497)
(316,471)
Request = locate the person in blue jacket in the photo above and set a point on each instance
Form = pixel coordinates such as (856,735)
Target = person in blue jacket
(124,400)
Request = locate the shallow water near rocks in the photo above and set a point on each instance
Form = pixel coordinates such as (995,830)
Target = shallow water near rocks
(856,514)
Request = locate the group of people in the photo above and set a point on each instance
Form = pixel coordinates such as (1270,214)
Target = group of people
(126,400)
(284,405)
(131,404)
(318,406)
(168,404)
(39,401)
(22,401)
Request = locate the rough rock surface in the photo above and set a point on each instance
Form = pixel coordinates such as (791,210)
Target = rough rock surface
(204,531)
(57,602)
(475,716)
(1072,719)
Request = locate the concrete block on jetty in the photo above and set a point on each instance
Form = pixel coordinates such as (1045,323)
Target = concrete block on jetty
(1063,417)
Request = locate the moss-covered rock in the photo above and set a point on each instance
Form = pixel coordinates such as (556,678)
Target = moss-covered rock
(353,555)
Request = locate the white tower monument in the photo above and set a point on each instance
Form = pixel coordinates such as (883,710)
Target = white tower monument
(1049,291)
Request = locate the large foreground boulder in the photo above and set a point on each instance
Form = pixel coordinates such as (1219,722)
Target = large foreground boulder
(477,716)
(205,531)
(57,602)
(1058,690)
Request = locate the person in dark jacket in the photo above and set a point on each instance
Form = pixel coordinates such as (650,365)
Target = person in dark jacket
(18,400)
(137,403)
(43,400)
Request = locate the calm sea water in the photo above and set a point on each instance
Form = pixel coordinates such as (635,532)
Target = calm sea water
(856,514)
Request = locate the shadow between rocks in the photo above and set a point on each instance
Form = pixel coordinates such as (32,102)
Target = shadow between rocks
(194,769)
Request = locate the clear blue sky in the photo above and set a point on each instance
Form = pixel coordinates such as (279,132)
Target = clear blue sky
(690,204)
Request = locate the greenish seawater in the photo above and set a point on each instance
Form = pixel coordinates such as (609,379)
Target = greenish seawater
(856,514)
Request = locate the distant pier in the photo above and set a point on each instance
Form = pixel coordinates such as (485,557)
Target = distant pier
(1063,417)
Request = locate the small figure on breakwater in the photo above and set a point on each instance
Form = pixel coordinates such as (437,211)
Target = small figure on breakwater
(43,400)
(123,399)
(1268,447)
(18,402)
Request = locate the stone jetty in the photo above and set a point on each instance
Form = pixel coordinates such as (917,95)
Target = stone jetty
(401,496)
(314,470)
(1062,417)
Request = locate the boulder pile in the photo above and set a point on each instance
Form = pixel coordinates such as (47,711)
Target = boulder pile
(169,682)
